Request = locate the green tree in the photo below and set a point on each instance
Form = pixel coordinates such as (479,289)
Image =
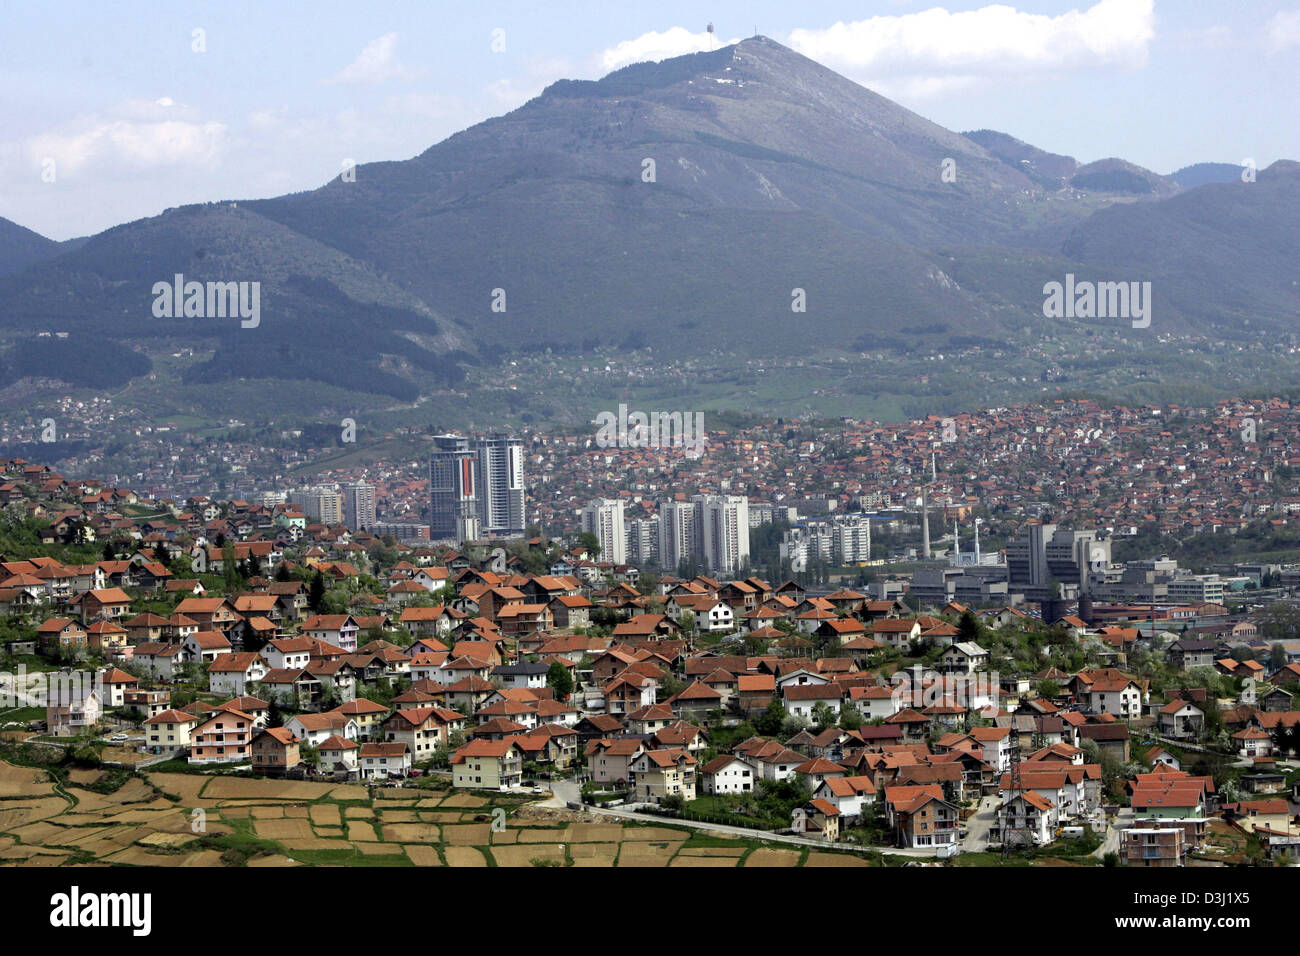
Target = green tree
(590,543)
(822,716)
(771,720)
(850,717)
(560,680)
(316,593)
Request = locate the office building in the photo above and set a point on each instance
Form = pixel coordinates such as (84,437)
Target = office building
(1043,555)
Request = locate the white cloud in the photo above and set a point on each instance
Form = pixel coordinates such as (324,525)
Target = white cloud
(376,63)
(988,41)
(1284,30)
(660,46)
(134,135)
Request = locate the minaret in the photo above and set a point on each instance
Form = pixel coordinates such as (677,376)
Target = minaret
(925,522)
(956,543)
(977,541)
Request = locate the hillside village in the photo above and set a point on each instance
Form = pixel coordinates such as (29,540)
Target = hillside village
(229,637)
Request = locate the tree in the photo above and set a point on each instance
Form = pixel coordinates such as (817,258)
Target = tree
(110,554)
(560,680)
(968,629)
(771,720)
(823,716)
(316,594)
(850,717)
(274,717)
(590,543)
(282,573)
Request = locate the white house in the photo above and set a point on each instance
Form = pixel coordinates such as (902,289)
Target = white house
(378,761)
(1028,818)
(315,729)
(288,653)
(1117,696)
(800,700)
(849,795)
(231,674)
(728,773)
(339,755)
(169,732)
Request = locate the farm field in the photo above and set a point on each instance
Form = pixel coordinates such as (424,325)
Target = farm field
(74,817)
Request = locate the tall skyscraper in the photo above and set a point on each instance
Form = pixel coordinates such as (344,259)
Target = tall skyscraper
(500,488)
(453,484)
(722,531)
(359,506)
(603,517)
(676,534)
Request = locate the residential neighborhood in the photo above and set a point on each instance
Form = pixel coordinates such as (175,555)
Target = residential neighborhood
(785,710)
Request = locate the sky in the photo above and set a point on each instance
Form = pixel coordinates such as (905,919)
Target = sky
(110,113)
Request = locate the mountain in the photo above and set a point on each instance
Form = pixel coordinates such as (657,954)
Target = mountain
(20,247)
(1198,174)
(674,204)
(1222,256)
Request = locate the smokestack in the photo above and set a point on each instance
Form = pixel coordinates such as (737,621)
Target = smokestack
(925,522)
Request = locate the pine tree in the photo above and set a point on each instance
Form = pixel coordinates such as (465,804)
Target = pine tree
(316,596)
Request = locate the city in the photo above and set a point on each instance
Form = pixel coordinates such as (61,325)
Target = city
(839,436)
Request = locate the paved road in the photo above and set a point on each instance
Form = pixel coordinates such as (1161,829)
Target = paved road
(1110,844)
(978,826)
(565,791)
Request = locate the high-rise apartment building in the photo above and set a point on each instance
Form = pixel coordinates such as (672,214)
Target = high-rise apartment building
(500,488)
(676,534)
(603,517)
(722,531)
(359,506)
(453,490)
(323,504)
(643,540)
